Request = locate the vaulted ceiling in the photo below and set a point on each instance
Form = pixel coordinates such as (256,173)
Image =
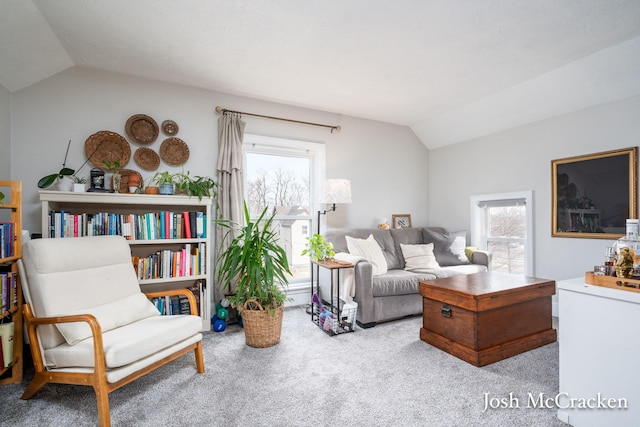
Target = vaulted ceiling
(451,70)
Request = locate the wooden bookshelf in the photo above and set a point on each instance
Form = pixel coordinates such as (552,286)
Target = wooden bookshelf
(13,204)
(137,205)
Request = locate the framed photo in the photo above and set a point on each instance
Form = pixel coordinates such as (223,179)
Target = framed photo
(593,195)
(401,220)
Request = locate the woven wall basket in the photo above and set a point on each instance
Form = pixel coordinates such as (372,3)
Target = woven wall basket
(260,328)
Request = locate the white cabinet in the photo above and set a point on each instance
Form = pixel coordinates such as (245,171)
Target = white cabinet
(599,348)
(118,208)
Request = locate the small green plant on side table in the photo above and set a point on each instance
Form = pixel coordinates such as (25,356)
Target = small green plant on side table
(318,248)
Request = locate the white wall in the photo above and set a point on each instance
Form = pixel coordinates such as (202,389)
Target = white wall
(5,133)
(520,159)
(386,163)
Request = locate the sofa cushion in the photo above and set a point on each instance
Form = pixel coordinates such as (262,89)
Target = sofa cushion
(448,248)
(110,316)
(418,256)
(406,236)
(370,250)
(128,343)
(399,282)
(338,238)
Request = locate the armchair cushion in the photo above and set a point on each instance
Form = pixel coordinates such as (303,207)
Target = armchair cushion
(110,316)
(126,345)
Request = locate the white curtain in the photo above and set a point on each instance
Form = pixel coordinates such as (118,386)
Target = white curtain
(231,191)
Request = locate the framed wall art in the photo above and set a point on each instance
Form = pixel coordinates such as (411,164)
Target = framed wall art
(401,220)
(593,195)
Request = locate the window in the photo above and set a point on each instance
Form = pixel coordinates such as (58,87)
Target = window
(284,175)
(502,224)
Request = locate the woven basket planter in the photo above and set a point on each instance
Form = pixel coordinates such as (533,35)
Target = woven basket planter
(261,329)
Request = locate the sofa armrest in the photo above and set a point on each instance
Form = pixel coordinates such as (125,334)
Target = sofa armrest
(481,257)
(193,306)
(363,277)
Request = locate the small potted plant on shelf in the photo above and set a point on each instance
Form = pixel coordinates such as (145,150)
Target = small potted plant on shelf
(64,176)
(114,168)
(200,186)
(318,248)
(257,266)
(165,182)
(79,184)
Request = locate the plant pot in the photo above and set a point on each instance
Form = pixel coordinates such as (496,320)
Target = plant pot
(79,187)
(261,329)
(151,189)
(115,181)
(166,189)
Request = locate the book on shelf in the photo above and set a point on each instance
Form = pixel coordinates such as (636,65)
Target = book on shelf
(8,291)
(6,332)
(7,239)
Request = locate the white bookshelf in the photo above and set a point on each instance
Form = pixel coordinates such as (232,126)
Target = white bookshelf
(140,204)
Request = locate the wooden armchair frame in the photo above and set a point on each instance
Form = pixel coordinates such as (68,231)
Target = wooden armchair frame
(97,379)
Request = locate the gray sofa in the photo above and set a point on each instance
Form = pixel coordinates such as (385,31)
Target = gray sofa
(394,294)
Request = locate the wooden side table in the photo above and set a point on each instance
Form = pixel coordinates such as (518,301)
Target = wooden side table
(330,316)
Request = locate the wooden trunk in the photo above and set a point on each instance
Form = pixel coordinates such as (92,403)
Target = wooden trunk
(486,317)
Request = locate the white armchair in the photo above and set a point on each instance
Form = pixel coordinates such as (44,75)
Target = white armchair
(88,322)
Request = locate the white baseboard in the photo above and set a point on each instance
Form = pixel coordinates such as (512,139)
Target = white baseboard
(300,294)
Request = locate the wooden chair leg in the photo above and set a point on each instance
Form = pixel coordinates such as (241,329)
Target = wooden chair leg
(102,398)
(38,381)
(199,358)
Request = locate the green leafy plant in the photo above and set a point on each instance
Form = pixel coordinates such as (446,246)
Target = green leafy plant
(200,186)
(1,197)
(113,167)
(160,178)
(46,181)
(318,248)
(254,262)
(79,179)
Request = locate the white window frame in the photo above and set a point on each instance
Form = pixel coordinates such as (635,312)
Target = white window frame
(478,225)
(314,151)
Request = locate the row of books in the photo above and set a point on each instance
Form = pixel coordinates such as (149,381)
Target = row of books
(167,263)
(178,304)
(8,291)
(147,226)
(7,239)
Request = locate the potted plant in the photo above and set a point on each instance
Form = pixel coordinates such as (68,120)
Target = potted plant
(64,176)
(318,249)
(114,168)
(258,267)
(200,186)
(79,184)
(165,181)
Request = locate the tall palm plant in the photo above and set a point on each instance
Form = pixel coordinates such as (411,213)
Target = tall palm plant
(254,263)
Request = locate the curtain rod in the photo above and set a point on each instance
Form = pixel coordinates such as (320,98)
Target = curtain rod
(224,110)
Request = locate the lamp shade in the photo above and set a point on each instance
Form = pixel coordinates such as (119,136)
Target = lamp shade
(336,191)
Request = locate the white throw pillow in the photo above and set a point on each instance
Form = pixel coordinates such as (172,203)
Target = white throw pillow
(370,250)
(419,256)
(110,316)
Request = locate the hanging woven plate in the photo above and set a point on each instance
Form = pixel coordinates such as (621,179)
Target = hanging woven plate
(141,129)
(147,159)
(170,128)
(174,151)
(107,146)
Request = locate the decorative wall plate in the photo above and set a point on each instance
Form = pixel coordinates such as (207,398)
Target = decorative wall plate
(174,151)
(170,128)
(107,146)
(142,129)
(147,159)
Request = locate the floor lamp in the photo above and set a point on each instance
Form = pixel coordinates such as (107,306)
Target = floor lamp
(334,191)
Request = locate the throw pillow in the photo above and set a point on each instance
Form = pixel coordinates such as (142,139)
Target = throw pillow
(449,249)
(370,250)
(418,256)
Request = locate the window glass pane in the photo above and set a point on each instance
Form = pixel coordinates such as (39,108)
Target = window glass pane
(507,256)
(507,221)
(280,182)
